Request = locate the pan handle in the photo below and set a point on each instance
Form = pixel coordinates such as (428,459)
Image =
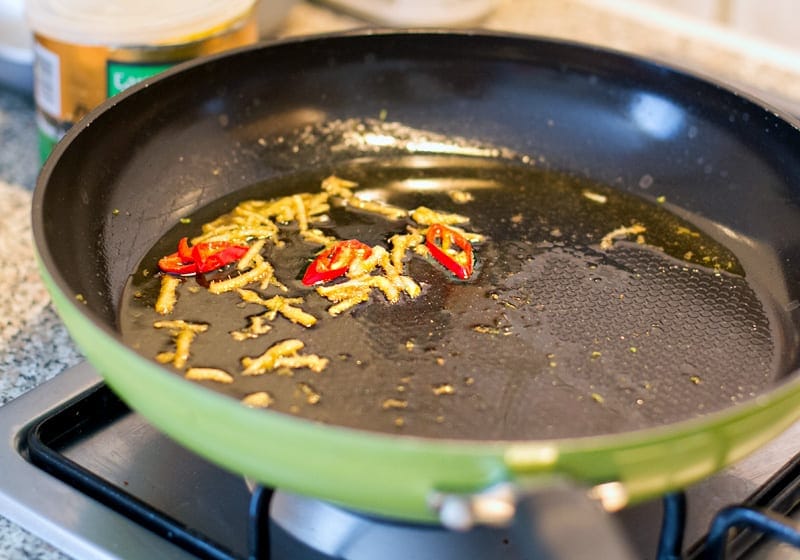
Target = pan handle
(550,520)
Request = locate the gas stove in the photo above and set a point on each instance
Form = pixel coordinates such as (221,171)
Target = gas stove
(97,481)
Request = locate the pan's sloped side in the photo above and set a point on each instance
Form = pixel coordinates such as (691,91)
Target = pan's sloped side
(154,154)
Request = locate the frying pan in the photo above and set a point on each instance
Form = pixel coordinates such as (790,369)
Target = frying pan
(726,164)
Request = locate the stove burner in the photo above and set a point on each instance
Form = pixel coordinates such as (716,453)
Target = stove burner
(158,485)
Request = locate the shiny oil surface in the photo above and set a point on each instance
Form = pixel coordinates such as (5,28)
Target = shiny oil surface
(553,336)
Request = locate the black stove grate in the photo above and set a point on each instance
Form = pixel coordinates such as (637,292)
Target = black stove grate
(47,441)
(765,514)
(83,416)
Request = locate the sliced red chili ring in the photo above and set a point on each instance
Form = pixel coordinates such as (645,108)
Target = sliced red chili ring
(450,249)
(203,251)
(220,258)
(201,258)
(174,264)
(335,261)
(184,250)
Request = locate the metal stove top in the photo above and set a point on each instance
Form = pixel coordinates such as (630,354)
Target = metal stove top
(186,507)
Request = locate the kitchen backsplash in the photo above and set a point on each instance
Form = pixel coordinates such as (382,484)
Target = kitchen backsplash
(774,21)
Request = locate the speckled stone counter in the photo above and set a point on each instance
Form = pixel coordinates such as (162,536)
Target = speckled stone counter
(34,345)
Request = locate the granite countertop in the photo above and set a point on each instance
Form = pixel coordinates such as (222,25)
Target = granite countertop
(34,345)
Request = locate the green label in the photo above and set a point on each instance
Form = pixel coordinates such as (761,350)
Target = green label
(48,134)
(122,75)
(46,144)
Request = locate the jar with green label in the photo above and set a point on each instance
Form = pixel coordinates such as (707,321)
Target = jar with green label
(88,50)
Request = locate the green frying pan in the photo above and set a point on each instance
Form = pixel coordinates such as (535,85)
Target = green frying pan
(715,377)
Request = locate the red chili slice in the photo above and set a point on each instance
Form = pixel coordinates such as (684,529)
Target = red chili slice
(203,251)
(174,264)
(335,261)
(184,250)
(219,258)
(451,249)
(201,258)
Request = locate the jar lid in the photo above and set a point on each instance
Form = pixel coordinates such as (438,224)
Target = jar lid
(132,22)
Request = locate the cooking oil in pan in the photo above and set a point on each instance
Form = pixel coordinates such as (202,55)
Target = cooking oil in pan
(590,311)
